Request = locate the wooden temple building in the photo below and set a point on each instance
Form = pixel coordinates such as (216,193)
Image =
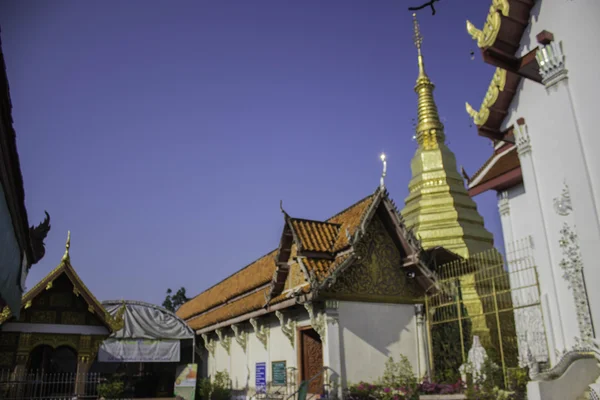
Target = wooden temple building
(58,330)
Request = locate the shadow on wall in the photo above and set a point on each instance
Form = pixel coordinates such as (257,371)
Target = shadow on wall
(365,327)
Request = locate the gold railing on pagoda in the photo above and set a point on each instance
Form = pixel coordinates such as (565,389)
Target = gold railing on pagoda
(498,302)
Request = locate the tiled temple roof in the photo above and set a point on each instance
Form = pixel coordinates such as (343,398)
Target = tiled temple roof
(248,289)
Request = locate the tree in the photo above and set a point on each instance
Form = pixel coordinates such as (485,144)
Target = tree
(173,302)
(422,6)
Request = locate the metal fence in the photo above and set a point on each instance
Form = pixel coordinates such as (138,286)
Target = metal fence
(40,385)
(495,300)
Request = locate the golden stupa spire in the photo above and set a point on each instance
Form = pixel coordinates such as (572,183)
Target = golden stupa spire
(438,207)
(430,131)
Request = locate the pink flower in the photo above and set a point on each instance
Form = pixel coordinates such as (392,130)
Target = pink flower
(386,390)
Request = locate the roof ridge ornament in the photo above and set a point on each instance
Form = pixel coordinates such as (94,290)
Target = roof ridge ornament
(384,172)
(67,256)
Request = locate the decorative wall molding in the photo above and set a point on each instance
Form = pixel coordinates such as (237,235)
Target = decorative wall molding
(420,313)
(209,344)
(224,340)
(503,205)
(331,311)
(317,320)
(551,60)
(562,203)
(572,267)
(288,329)
(261,331)
(523,139)
(241,336)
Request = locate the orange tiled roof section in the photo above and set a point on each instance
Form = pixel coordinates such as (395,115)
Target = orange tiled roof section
(350,218)
(257,274)
(315,235)
(251,277)
(323,268)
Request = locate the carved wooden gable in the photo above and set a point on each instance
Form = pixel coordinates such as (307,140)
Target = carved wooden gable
(59,304)
(296,277)
(377,274)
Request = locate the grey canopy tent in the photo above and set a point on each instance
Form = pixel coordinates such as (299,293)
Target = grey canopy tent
(144,321)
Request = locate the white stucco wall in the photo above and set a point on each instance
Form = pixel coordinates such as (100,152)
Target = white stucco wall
(560,124)
(241,365)
(359,338)
(370,333)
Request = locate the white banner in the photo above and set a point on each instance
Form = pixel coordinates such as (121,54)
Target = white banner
(139,350)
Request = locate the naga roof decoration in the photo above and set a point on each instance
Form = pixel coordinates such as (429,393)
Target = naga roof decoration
(496,86)
(79,288)
(311,253)
(500,41)
(487,36)
(493,109)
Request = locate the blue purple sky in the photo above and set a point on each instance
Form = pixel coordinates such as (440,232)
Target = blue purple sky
(164,134)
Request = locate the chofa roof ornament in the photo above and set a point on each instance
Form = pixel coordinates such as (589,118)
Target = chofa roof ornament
(381,181)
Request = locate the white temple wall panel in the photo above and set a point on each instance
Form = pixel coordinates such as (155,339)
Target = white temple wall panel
(562,123)
(559,157)
(371,333)
(580,45)
(241,365)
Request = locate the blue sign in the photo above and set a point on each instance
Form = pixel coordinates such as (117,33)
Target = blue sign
(261,377)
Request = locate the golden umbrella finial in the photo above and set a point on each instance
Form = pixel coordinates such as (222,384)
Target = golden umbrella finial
(418,40)
(66,256)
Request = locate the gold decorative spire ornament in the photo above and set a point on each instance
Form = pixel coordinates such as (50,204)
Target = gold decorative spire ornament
(66,256)
(438,207)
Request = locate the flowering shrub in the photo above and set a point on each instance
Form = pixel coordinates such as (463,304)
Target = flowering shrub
(366,391)
(427,387)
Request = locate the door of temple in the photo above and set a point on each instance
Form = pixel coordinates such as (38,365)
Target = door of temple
(311,359)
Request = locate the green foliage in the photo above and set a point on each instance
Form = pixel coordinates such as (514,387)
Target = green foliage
(486,386)
(447,352)
(399,375)
(218,389)
(517,381)
(111,390)
(173,302)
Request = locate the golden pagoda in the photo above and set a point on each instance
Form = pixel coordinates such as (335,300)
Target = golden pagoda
(438,207)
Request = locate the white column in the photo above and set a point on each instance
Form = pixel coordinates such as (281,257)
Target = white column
(423,368)
(509,239)
(332,353)
(541,244)
(581,216)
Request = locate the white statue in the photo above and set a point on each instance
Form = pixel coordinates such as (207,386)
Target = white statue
(475,361)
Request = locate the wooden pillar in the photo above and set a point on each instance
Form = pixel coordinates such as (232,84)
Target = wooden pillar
(86,355)
(20,370)
(84,363)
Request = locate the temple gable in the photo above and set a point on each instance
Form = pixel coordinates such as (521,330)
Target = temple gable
(377,274)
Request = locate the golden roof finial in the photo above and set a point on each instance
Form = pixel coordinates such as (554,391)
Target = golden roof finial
(418,40)
(66,256)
